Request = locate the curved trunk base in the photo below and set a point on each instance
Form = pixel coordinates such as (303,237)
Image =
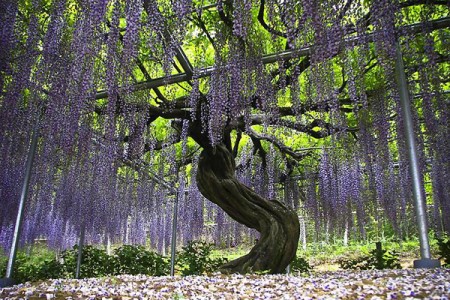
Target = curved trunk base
(278,226)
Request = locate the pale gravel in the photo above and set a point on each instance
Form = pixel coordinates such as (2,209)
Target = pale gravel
(374,284)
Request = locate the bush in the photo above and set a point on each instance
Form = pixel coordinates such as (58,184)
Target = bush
(444,250)
(377,259)
(36,267)
(136,260)
(301,265)
(40,265)
(94,262)
(194,259)
(3,263)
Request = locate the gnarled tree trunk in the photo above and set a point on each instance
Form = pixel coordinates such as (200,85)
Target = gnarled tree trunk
(278,226)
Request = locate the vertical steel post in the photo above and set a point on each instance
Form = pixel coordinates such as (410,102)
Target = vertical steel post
(80,252)
(23,198)
(419,199)
(174,231)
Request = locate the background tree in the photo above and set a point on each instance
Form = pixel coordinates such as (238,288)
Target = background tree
(127,91)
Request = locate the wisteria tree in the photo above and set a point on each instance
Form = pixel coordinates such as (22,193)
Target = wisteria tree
(153,88)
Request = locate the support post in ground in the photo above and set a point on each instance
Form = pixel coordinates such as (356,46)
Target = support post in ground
(80,252)
(174,227)
(9,280)
(425,260)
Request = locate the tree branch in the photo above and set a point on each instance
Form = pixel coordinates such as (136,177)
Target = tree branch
(236,143)
(258,149)
(279,145)
(222,14)
(199,22)
(153,111)
(263,22)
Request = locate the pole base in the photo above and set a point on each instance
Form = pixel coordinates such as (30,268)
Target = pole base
(427,263)
(6,282)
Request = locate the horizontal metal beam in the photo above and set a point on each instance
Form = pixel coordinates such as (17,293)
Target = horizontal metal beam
(267,59)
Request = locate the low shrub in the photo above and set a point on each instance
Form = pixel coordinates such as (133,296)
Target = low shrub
(194,259)
(41,265)
(444,250)
(137,260)
(94,262)
(300,264)
(376,259)
(127,259)
(3,263)
(36,267)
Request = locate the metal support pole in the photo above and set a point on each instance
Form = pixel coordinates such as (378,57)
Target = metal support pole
(16,236)
(174,231)
(419,199)
(80,252)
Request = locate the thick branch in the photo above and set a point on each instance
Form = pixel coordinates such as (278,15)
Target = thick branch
(326,129)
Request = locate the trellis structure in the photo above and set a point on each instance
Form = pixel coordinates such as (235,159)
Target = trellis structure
(266,59)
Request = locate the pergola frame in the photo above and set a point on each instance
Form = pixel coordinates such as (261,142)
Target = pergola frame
(266,59)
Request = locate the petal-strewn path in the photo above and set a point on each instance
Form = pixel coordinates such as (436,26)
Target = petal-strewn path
(388,284)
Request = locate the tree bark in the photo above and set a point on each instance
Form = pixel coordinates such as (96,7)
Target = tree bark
(278,226)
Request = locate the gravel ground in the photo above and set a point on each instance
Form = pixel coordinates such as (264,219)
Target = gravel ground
(388,284)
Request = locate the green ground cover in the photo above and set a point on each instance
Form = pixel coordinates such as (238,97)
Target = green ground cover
(37,262)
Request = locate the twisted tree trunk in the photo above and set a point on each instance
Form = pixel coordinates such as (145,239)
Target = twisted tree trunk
(278,226)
